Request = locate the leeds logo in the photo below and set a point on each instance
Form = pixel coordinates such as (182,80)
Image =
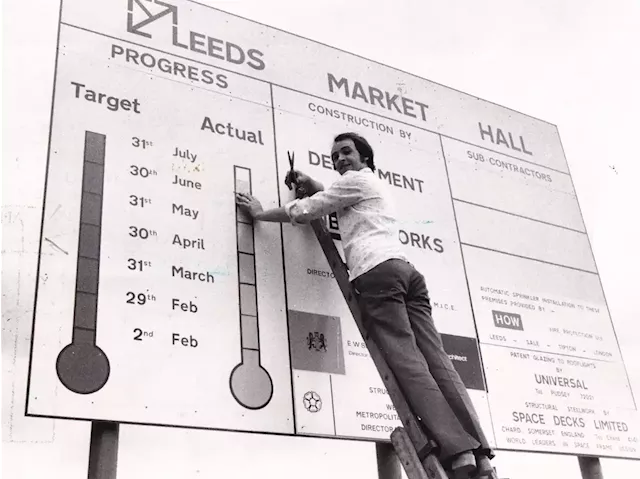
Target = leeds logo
(149,16)
(142,13)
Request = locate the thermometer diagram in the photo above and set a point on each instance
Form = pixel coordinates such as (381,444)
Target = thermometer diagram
(250,383)
(82,366)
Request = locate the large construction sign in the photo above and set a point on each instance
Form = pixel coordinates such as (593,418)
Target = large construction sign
(158,302)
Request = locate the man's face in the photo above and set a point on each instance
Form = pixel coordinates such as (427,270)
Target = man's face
(345,157)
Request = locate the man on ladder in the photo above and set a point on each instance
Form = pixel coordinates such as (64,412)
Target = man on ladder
(393,298)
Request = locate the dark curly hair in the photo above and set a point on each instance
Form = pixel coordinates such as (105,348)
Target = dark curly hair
(362,145)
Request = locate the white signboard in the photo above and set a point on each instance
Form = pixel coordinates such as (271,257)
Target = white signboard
(159,303)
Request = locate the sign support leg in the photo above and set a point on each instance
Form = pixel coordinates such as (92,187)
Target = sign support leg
(103,450)
(590,467)
(388,463)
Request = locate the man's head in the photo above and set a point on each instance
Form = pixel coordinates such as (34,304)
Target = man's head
(351,152)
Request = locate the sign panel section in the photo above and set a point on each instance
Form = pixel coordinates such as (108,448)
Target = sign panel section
(418,185)
(159,302)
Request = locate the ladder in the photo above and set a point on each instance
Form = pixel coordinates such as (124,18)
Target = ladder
(410,442)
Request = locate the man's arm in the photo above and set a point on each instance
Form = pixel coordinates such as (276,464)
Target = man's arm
(277,215)
(252,206)
(304,186)
(344,192)
(341,194)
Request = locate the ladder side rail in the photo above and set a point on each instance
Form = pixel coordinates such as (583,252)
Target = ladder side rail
(408,419)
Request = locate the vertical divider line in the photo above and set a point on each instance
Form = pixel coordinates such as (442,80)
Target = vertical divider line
(333,406)
(466,277)
(235,183)
(255,272)
(284,268)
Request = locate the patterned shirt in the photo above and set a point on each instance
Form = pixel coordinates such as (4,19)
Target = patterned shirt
(365,218)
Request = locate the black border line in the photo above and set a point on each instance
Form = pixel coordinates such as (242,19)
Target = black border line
(519,216)
(466,278)
(235,186)
(44,209)
(84,328)
(333,406)
(240,283)
(219,429)
(573,454)
(254,286)
(313,96)
(615,335)
(529,258)
(372,61)
(284,268)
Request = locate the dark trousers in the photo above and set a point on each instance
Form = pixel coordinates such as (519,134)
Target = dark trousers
(395,307)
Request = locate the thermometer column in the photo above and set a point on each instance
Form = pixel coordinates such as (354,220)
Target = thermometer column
(250,383)
(82,366)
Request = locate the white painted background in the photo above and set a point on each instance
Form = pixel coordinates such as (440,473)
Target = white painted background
(570,62)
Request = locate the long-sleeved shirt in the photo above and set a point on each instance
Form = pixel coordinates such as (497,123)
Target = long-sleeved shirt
(365,218)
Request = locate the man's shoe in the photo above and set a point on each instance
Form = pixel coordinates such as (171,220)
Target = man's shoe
(464,466)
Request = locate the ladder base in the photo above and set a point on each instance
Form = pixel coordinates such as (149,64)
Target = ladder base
(429,468)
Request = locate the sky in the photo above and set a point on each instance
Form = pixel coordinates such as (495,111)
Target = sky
(570,62)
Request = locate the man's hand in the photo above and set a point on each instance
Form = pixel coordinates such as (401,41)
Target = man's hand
(297,177)
(304,184)
(249,204)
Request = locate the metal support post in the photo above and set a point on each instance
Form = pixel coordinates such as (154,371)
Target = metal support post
(590,467)
(103,450)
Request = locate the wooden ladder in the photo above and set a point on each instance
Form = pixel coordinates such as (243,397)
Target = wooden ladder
(410,442)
